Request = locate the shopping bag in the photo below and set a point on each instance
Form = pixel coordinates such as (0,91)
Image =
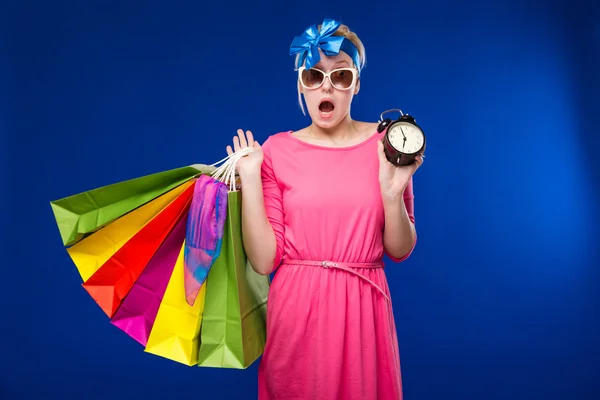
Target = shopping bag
(137,313)
(233,330)
(204,233)
(176,329)
(129,245)
(79,215)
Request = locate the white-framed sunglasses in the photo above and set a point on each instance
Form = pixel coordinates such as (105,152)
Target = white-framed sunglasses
(340,78)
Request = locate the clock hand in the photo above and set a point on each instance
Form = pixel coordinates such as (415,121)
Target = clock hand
(403,135)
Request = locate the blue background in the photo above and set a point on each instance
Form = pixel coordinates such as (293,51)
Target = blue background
(500,298)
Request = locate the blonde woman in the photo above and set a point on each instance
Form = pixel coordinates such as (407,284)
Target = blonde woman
(321,206)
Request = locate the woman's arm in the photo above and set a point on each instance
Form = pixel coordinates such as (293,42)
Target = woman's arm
(399,236)
(258,236)
(262,204)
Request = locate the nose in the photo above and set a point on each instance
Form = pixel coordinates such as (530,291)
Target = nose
(327,86)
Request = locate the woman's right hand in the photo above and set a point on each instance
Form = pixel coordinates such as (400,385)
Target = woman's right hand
(250,164)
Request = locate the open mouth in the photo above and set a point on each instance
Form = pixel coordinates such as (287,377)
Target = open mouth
(326,107)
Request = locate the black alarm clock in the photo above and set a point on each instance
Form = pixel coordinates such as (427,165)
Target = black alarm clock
(403,141)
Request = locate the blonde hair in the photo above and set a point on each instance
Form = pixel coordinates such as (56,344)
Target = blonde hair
(343,30)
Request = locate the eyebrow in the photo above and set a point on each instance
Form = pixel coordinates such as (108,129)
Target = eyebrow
(319,65)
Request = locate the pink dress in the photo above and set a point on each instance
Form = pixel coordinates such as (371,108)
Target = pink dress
(331,334)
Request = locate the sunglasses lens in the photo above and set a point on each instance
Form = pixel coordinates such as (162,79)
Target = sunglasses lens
(343,78)
(312,78)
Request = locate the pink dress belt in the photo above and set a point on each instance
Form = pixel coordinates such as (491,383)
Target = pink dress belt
(344,267)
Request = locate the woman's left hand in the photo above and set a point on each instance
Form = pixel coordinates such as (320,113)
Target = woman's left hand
(392,179)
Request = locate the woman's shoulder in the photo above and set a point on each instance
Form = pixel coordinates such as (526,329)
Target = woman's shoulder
(278,135)
(368,127)
(276,139)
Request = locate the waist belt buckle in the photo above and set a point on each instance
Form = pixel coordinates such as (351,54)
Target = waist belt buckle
(327,264)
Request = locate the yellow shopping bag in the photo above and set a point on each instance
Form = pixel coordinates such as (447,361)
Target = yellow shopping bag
(176,331)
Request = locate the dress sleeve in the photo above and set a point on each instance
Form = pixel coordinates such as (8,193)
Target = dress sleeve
(273,199)
(409,202)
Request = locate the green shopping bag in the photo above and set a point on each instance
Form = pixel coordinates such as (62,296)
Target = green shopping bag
(79,215)
(233,330)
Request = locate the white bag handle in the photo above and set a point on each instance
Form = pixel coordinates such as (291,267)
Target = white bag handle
(226,172)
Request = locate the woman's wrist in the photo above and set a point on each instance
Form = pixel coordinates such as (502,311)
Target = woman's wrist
(392,200)
(247,175)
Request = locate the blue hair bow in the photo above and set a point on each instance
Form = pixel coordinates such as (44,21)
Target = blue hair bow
(312,40)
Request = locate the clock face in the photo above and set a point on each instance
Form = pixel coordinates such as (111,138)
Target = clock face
(406,138)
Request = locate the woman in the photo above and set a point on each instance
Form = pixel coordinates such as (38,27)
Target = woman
(322,205)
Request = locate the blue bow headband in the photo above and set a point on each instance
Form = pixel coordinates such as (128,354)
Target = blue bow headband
(312,40)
